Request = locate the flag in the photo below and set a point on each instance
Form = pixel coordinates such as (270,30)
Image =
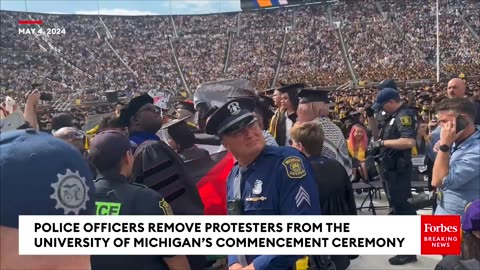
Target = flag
(211,179)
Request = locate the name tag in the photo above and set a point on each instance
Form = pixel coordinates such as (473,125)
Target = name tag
(256,199)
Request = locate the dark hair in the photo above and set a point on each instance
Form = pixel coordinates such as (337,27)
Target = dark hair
(110,122)
(264,111)
(182,135)
(458,105)
(110,169)
(63,120)
(470,247)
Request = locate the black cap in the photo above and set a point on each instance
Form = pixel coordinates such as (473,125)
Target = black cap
(186,105)
(232,116)
(290,88)
(308,95)
(389,83)
(133,106)
(108,148)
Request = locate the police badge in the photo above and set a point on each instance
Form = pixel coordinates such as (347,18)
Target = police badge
(257,187)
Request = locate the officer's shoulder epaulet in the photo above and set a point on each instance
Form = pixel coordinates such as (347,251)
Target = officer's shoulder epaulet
(278,151)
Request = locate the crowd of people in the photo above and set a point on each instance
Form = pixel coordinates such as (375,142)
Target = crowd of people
(323,133)
(322,136)
(133,54)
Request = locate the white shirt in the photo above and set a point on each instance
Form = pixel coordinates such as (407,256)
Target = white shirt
(288,126)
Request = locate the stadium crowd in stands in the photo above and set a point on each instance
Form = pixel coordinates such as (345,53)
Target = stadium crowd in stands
(382,39)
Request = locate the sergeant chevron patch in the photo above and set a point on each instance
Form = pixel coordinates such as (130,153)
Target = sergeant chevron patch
(301,197)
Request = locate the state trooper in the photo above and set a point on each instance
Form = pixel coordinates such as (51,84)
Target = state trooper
(397,138)
(110,152)
(266,180)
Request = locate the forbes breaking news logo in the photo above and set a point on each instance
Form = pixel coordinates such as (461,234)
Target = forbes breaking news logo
(441,235)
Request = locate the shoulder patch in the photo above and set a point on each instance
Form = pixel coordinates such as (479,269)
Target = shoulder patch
(406,120)
(294,167)
(167,210)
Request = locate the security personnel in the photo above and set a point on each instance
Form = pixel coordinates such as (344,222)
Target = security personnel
(266,180)
(111,154)
(377,120)
(397,140)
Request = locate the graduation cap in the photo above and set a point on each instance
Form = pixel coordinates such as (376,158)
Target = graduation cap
(389,83)
(175,122)
(308,95)
(133,106)
(186,105)
(290,88)
(422,99)
(352,115)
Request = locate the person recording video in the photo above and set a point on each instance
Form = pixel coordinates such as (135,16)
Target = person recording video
(457,166)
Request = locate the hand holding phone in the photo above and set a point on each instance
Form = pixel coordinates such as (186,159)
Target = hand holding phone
(461,123)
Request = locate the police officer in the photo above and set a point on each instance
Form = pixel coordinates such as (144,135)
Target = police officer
(110,152)
(397,138)
(266,180)
(377,119)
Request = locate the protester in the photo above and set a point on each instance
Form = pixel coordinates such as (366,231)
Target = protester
(313,105)
(457,166)
(336,197)
(54,166)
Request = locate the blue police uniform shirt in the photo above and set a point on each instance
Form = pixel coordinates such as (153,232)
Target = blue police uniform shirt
(279,182)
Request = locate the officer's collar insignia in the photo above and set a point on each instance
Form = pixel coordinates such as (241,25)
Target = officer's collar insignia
(234,108)
(406,120)
(167,210)
(294,167)
(70,192)
(257,187)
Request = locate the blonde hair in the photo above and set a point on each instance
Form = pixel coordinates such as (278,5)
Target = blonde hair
(310,135)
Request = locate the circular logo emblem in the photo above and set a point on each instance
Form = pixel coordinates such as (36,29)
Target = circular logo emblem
(234,108)
(71,192)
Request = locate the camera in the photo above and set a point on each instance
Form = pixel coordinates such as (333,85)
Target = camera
(46,96)
(43,95)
